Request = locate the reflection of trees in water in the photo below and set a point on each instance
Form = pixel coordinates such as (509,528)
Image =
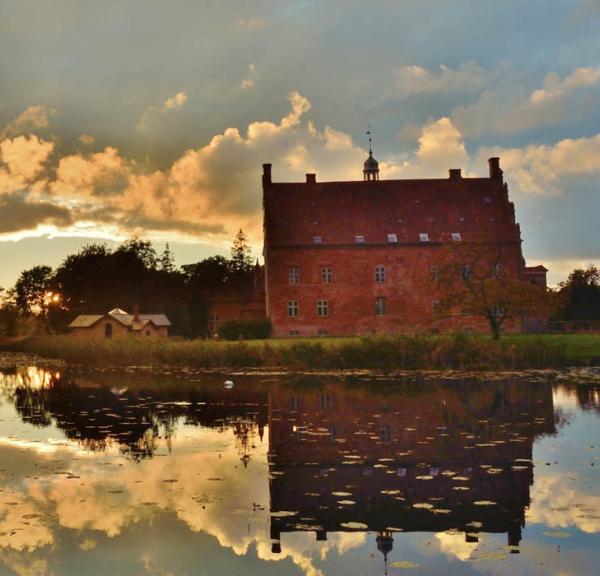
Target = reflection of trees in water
(135,421)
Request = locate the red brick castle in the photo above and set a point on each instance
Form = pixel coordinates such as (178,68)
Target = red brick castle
(358,257)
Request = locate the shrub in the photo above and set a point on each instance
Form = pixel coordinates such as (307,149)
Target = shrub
(245,329)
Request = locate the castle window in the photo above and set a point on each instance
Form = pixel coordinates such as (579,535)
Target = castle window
(380,306)
(392,238)
(294,275)
(456,237)
(293,308)
(497,271)
(322,332)
(434,272)
(294,333)
(385,434)
(379,274)
(317,239)
(359,239)
(466,272)
(322,308)
(327,275)
(487,199)
(423,237)
(435,306)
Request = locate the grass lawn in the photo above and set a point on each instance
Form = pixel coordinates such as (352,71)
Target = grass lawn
(404,352)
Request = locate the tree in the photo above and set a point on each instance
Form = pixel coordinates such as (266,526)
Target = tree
(241,259)
(34,293)
(579,296)
(475,283)
(9,314)
(166,262)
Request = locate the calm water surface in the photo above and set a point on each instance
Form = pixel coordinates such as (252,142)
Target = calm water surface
(135,472)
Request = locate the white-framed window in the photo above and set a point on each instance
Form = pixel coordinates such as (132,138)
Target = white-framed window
(434,272)
(293,275)
(293,308)
(466,272)
(322,308)
(392,238)
(379,274)
(317,239)
(380,306)
(423,237)
(456,237)
(359,239)
(497,271)
(326,274)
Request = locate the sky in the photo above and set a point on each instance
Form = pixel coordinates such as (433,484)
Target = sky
(152,119)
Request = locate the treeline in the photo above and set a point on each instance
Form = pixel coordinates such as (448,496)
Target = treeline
(133,277)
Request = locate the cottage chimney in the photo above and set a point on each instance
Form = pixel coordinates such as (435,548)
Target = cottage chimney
(311,178)
(136,313)
(455,173)
(495,170)
(266,178)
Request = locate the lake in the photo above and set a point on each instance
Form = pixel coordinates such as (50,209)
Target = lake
(185,473)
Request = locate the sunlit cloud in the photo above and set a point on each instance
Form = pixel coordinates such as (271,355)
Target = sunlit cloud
(250,78)
(30,120)
(171,104)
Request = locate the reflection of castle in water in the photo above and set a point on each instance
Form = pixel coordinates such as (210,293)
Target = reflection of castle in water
(423,458)
(383,458)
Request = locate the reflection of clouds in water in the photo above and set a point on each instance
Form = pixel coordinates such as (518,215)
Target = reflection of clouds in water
(454,545)
(31,377)
(23,526)
(557,504)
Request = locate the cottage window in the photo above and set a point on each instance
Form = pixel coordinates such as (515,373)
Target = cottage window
(423,237)
(359,239)
(380,306)
(322,307)
(294,275)
(466,272)
(392,238)
(108,330)
(456,237)
(317,239)
(327,274)
(379,274)
(293,308)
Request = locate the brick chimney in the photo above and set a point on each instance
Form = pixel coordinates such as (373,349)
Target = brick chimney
(311,178)
(266,177)
(455,174)
(495,170)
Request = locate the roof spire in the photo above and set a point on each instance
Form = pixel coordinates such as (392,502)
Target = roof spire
(371,166)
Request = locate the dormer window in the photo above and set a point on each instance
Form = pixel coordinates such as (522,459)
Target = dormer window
(392,238)
(423,237)
(317,239)
(359,239)
(456,237)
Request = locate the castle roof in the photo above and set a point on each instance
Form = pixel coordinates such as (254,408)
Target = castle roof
(388,211)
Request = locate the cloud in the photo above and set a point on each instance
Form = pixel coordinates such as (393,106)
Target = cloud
(25,156)
(17,213)
(539,169)
(32,119)
(414,80)
(251,23)
(172,103)
(249,80)
(86,140)
(509,108)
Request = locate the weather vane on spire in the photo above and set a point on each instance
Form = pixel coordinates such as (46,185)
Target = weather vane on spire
(369,135)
